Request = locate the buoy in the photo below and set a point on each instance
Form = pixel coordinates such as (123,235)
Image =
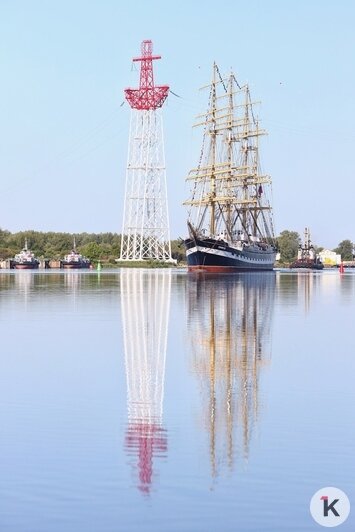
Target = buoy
(99,266)
(341,268)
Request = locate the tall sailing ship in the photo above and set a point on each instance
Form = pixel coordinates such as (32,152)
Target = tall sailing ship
(230,217)
(229,321)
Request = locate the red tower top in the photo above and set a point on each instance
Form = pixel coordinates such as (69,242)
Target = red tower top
(146,440)
(148,96)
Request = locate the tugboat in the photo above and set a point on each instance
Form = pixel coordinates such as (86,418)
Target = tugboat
(25,260)
(230,220)
(307,258)
(75,260)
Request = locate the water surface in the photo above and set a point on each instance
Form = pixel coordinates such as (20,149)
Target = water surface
(155,400)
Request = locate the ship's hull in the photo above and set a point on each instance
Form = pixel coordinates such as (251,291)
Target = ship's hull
(76,265)
(25,266)
(307,265)
(217,256)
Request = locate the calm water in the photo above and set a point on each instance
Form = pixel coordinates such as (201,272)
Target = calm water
(158,401)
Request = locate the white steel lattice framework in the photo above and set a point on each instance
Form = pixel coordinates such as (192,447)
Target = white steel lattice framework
(145,302)
(145,231)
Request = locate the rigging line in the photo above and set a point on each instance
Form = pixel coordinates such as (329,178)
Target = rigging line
(251,108)
(221,79)
(200,225)
(252,114)
(235,79)
(66,155)
(254,218)
(241,223)
(174,93)
(204,136)
(266,227)
(87,137)
(272,216)
(225,221)
(91,150)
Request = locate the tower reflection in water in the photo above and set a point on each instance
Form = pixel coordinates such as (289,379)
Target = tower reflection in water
(229,323)
(145,299)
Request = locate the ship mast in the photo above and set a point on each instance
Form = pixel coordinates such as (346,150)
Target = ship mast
(229,142)
(229,193)
(245,155)
(230,327)
(213,134)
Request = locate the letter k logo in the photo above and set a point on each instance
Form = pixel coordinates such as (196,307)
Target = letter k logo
(330,506)
(327,507)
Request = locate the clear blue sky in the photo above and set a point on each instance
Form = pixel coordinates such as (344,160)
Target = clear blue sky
(63,135)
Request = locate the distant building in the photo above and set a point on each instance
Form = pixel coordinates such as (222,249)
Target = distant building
(330,258)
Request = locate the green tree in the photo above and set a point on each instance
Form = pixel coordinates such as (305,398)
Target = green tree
(92,251)
(96,246)
(345,249)
(288,243)
(178,250)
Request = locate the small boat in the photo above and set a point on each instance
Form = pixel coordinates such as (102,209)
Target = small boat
(75,260)
(230,220)
(306,257)
(25,260)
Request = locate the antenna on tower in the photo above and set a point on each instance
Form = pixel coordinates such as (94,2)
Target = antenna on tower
(148,96)
(145,231)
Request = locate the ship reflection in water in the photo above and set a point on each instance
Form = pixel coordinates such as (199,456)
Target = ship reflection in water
(229,322)
(145,300)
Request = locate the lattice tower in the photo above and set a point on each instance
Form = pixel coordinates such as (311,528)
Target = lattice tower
(145,231)
(145,302)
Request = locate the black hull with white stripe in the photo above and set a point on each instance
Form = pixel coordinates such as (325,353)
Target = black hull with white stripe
(218,256)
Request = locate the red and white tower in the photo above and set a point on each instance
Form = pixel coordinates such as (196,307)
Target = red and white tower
(145,304)
(145,231)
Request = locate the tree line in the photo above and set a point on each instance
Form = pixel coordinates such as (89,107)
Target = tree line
(107,246)
(288,243)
